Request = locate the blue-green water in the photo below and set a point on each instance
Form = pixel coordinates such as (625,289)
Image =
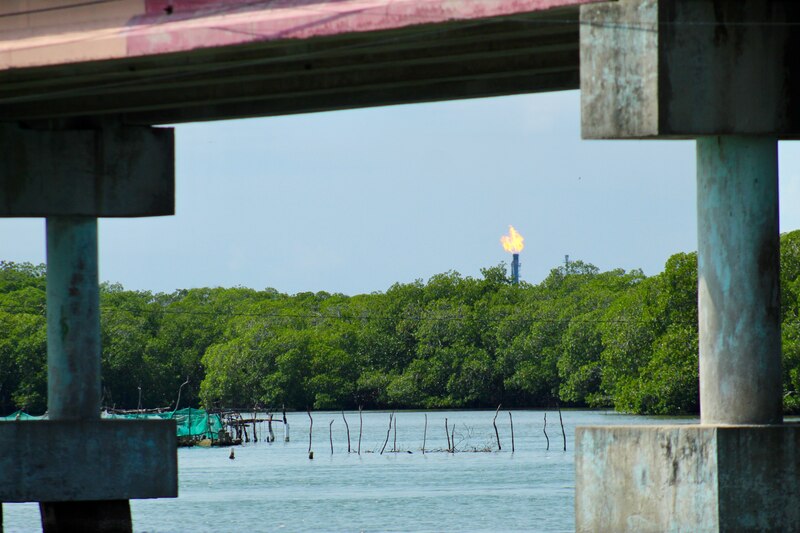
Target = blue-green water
(276,487)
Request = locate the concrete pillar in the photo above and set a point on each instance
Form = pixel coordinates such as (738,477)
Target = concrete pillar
(73,319)
(738,262)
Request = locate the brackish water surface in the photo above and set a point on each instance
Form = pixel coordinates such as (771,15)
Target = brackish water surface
(275,487)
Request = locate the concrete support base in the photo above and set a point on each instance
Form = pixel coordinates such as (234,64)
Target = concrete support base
(68,461)
(688,478)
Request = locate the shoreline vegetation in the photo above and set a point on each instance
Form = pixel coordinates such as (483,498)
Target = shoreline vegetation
(579,338)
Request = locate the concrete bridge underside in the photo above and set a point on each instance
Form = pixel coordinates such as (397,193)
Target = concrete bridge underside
(216,59)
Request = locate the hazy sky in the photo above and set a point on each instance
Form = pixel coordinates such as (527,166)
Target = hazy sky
(353,201)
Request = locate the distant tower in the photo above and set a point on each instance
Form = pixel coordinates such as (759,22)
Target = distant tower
(515,269)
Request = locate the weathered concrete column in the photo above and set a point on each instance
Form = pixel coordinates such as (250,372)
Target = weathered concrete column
(73,319)
(738,275)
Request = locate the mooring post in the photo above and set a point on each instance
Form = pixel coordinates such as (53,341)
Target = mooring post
(738,278)
(73,359)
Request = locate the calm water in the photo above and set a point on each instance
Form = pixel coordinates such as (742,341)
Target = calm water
(276,487)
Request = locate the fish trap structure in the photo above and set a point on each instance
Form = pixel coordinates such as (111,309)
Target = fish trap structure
(193,427)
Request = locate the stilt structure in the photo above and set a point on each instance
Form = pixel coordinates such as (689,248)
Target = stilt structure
(719,72)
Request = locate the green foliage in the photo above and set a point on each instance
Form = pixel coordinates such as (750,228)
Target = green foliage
(581,337)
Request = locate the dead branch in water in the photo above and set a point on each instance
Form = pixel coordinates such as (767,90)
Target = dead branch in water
(330,434)
(347,426)
(512,431)
(388,432)
(563,433)
(494,423)
(447,434)
(453,439)
(544,429)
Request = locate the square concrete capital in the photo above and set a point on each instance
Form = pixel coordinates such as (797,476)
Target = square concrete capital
(683,69)
(119,171)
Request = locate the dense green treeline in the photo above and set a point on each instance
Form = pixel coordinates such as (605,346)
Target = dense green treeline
(581,337)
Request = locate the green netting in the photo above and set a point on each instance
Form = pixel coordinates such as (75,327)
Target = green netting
(20,415)
(195,423)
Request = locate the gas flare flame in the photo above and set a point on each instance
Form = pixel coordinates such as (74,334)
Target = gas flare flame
(513,242)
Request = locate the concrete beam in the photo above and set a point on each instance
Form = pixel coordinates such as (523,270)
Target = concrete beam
(88,460)
(221,59)
(676,69)
(688,478)
(108,172)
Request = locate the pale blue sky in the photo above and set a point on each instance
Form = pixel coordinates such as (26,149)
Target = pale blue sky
(353,201)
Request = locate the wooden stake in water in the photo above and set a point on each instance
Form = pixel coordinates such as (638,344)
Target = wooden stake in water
(347,426)
(394,446)
(447,434)
(563,433)
(330,434)
(512,431)
(425,434)
(544,429)
(388,432)
(310,430)
(360,428)
(494,423)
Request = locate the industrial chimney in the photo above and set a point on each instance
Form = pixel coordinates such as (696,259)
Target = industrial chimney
(515,269)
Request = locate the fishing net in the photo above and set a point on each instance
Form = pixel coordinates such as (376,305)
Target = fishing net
(191,423)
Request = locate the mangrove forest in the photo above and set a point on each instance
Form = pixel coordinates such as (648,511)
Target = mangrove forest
(579,338)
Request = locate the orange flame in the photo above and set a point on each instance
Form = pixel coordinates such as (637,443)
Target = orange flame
(513,242)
